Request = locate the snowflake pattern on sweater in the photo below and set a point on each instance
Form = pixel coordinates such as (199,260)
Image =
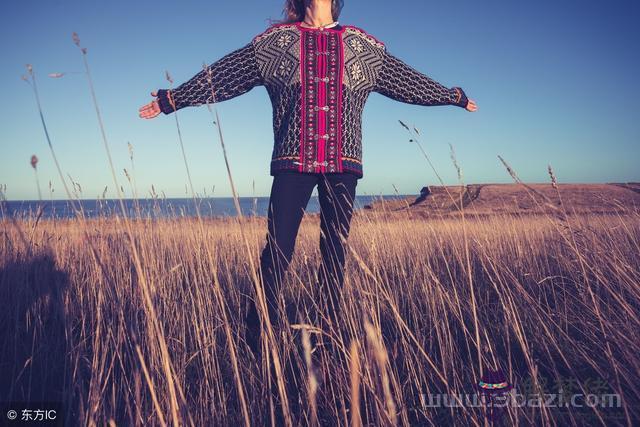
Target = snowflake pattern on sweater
(318,82)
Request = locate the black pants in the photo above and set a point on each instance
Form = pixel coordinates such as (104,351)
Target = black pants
(290,193)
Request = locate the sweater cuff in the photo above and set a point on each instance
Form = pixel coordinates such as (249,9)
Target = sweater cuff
(164,101)
(461,97)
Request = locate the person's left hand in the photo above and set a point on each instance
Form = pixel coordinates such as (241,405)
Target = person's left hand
(471,106)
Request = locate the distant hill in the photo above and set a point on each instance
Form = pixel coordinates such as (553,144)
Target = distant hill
(489,199)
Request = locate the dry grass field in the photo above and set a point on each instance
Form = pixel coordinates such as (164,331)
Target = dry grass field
(154,336)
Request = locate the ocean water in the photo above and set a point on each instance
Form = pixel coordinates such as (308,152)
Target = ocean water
(159,208)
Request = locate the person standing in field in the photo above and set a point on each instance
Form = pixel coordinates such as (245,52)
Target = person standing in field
(318,74)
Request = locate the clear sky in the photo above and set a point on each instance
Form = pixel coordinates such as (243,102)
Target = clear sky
(555,82)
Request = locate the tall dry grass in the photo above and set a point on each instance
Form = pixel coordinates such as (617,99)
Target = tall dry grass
(549,308)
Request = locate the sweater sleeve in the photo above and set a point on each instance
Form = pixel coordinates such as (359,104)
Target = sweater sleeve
(401,82)
(232,75)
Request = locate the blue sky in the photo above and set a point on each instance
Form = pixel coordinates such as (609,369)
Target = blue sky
(554,83)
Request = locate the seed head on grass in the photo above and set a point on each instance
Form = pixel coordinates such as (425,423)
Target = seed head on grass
(34,165)
(78,187)
(207,70)
(554,182)
(76,41)
(27,78)
(509,169)
(454,159)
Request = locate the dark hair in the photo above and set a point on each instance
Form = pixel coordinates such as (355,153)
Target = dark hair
(295,10)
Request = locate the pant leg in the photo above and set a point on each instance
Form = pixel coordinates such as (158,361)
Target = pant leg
(336,194)
(290,193)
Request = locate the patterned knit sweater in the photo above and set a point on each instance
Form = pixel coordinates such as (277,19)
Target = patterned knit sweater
(318,81)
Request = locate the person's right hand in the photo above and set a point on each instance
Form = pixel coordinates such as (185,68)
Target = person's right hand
(150,110)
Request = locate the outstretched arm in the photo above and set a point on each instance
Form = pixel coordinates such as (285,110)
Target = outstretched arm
(401,82)
(232,75)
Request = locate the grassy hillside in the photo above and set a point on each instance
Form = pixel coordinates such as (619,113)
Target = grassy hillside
(487,199)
